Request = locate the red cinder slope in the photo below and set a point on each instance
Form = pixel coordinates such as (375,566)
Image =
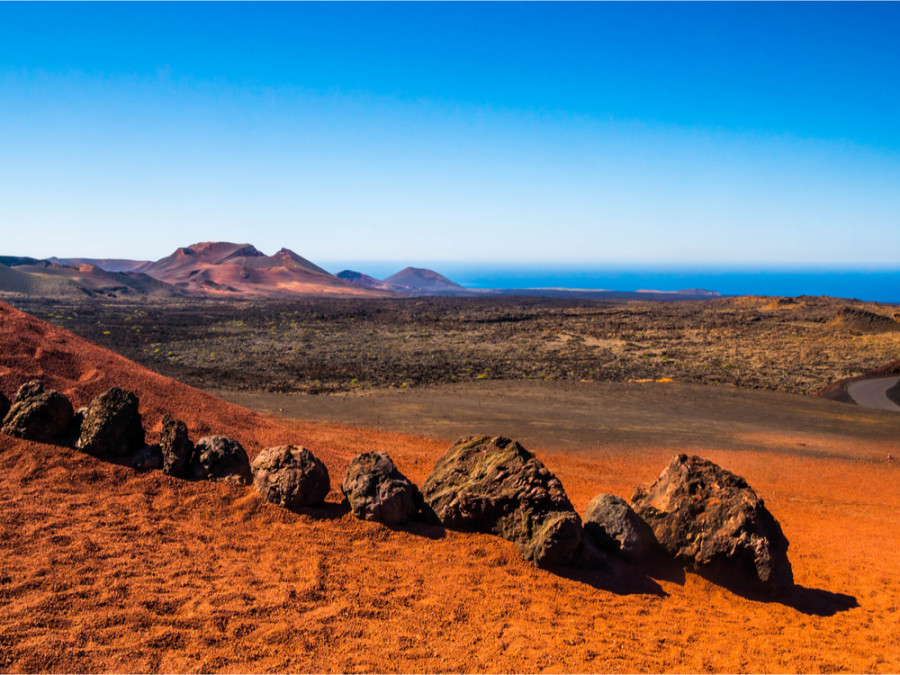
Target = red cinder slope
(223,268)
(33,349)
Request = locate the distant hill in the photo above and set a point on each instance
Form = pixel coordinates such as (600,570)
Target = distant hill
(53,280)
(14,281)
(229,269)
(420,280)
(367,281)
(106,264)
(225,268)
(410,281)
(15,260)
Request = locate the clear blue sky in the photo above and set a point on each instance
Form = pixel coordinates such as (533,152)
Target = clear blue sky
(583,133)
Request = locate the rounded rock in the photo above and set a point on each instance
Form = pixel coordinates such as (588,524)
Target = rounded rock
(377,490)
(220,458)
(291,476)
(39,414)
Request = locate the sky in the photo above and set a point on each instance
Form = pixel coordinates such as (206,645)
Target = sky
(582,133)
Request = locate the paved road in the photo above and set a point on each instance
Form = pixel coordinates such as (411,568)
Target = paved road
(873,393)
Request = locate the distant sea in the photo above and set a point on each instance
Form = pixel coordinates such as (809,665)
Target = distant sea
(881,284)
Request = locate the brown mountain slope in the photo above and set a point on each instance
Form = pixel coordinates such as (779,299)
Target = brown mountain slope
(369,282)
(224,268)
(14,281)
(108,264)
(87,279)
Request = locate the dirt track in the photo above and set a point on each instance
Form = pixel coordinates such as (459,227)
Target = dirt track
(582,417)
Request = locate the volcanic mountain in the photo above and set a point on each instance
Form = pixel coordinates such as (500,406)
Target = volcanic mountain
(224,268)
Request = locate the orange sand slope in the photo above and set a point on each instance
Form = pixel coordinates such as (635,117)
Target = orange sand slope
(104,569)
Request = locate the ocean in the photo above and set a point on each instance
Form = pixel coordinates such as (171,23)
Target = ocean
(879,284)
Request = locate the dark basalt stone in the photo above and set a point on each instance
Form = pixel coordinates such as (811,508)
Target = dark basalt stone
(614,527)
(291,476)
(377,491)
(39,414)
(112,425)
(494,485)
(220,458)
(711,520)
(176,447)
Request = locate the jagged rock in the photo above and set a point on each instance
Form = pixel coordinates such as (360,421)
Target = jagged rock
(220,458)
(711,520)
(39,414)
(176,447)
(147,458)
(112,425)
(4,406)
(378,491)
(614,527)
(495,485)
(290,476)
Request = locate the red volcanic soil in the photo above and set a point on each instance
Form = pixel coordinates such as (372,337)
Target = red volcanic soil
(105,569)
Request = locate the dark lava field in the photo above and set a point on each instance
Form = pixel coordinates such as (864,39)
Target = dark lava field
(318,345)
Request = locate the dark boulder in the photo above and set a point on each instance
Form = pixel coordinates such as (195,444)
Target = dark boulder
(494,485)
(613,526)
(147,458)
(220,458)
(4,406)
(711,520)
(176,447)
(39,414)
(376,490)
(112,425)
(291,476)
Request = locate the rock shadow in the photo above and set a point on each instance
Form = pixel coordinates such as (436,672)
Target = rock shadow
(423,525)
(324,511)
(421,528)
(663,568)
(810,601)
(621,577)
(818,602)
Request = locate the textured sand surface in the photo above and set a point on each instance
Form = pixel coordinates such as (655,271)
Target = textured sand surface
(104,569)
